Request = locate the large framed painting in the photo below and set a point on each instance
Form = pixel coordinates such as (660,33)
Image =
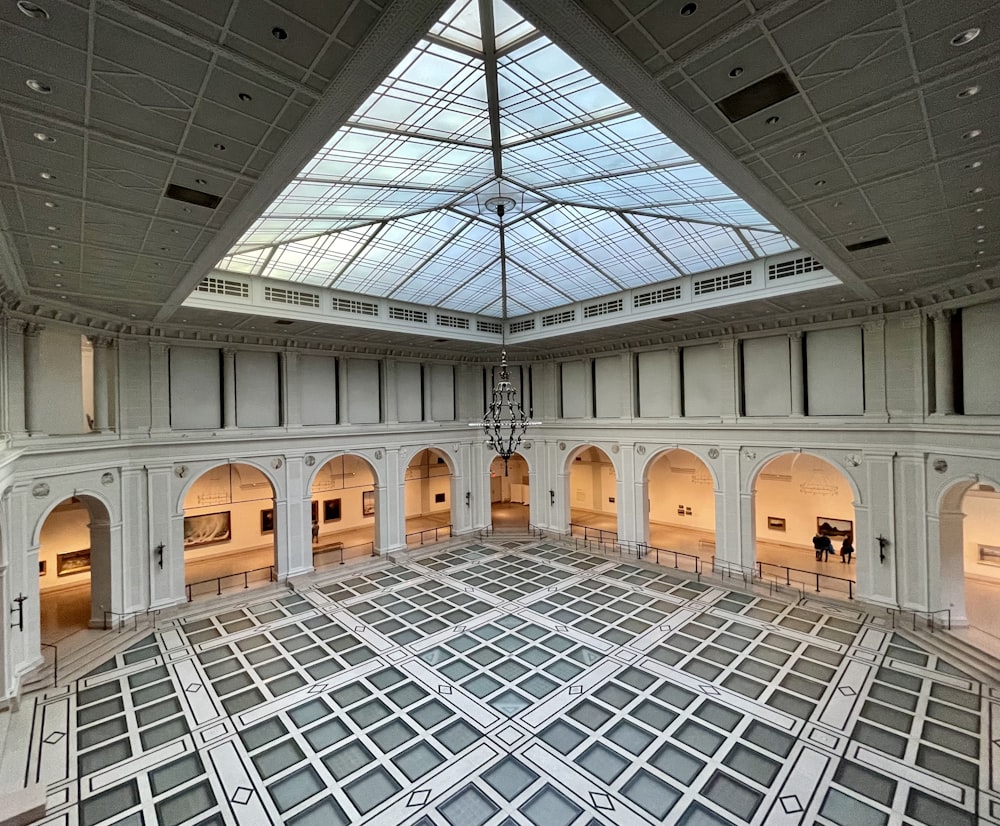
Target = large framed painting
(776,523)
(368,503)
(206,529)
(73,562)
(267,520)
(331,510)
(827,526)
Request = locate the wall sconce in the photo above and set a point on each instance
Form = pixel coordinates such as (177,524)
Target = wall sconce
(19,608)
(882,542)
(158,550)
(468,499)
(552,497)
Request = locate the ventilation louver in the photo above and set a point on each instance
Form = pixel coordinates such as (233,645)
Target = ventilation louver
(192,196)
(757,96)
(864,245)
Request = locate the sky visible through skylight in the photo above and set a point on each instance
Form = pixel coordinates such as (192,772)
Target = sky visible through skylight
(393,206)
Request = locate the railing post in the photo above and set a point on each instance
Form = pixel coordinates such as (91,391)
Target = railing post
(788,575)
(850,589)
(817,583)
(218,586)
(246,579)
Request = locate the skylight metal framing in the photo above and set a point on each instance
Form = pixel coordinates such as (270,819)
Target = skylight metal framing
(392,205)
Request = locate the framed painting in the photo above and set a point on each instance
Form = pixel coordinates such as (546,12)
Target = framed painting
(315,510)
(368,503)
(267,520)
(73,562)
(828,526)
(775,523)
(206,529)
(331,510)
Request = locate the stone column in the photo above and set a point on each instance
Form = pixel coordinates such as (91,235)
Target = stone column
(291,398)
(159,387)
(343,399)
(944,378)
(797,374)
(14,390)
(32,376)
(390,504)
(229,389)
(674,379)
(876,404)
(731,381)
(101,346)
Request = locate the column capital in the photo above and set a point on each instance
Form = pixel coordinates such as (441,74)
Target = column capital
(101,341)
(229,352)
(940,315)
(795,335)
(33,329)
(874,325)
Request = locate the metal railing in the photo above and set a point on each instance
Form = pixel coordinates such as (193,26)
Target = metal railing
(732,570)
(929,617)
(590,532)
(833,583)
(691,562)
(491,530)
(122,619)
(55,661)
(217,581)
(340,550)
(436,532)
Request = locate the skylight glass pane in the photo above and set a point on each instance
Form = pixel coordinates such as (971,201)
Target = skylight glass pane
(249,262)
(460,25)
(769,243)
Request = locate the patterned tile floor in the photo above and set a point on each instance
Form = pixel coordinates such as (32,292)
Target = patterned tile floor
(516,683)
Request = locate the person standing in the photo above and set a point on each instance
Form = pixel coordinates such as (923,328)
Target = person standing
(846,550)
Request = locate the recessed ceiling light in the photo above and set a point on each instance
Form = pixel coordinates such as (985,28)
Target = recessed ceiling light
(972,133)
(41,136)
(245,97)
(837,204)
(38,86)
(736,71)
(976,190)
(279,33)
(56,261)
(175,231)
(52,228)
(59,284)
(200,181)
(773,119)
(54,247)
(51,204)
(32,10)
(132,314)
(980,252)
(978,209)
(820,182)
(62,296)
(799,155)
(974,165)
(967,36)
(969,91)
(164,249)
(981,226)
(187,209)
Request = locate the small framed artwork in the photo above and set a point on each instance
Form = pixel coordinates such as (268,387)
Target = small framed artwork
(828,526)
(775,523)
(331,510)
(315,511)
(680,510)
(206,529)
(989,554)
(438,498)
(687,510)
(73,562)
(267,520)
(42,567)
(368,503)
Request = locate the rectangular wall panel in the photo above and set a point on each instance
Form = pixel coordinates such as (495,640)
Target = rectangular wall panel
(442,393)
(767,377)
(904,354)
(609,387)
(59,385)
(980,357)
(318,389)
(573,389)
(363,396)
(835,383)
(195,388)
(655,381)
(703,377)
(409,392)
(257,392)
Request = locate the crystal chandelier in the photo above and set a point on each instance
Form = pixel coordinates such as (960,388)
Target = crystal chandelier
(505,422)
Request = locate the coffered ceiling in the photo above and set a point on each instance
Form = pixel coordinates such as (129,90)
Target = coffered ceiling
(857,122)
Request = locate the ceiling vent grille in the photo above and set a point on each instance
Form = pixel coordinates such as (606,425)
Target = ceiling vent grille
(795,266)
(522,326)
(552,319)
(603,308)
(656,296)
(406,314)
(454,321)
(722,282)
(864,245)
(488,326)
(280,295)
(223,286)
(355,307)
(757,96)
(195,197)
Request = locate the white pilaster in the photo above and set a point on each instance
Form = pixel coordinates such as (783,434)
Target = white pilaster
(229,389)
(797,373)
(944,378)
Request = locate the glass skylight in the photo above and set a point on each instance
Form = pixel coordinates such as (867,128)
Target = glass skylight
(394,203)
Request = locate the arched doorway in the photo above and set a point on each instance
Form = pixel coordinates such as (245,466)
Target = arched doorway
(229,529)
(343,510)
(796,496)
(428,494)
(968,579)
(510,499)
(74,567)
(681,510)
(592,494)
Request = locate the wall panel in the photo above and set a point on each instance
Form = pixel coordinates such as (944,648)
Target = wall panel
(195,388)
(834,372)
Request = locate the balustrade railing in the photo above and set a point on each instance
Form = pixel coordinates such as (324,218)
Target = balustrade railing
(334,553)
(420,537)
(930,618)
(231,580)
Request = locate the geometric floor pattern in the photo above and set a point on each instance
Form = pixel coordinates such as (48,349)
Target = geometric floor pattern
(499,683)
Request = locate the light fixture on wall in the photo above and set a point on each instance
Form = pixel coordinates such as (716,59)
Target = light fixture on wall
(468,499)
(552,497)
(158,550)
(505,422)
(19,608)
(882,542)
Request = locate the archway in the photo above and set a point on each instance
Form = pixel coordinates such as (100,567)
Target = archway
(510,498)
(74,567)
(592,494)
(428,494)
(796,496)
(681,512)
(343,510)
(229,529)
(969,558)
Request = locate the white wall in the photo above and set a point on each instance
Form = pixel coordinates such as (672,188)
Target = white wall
(66,529)
(656,380)
(60,383)
(409,392)
(592,483)
(257,394)
(363,391)
(704,380)
(443,392)
(575,404)
(195,388)
(610,387)
(318,389)
(834,372)
(766,376)
(981,358)
(679,479)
